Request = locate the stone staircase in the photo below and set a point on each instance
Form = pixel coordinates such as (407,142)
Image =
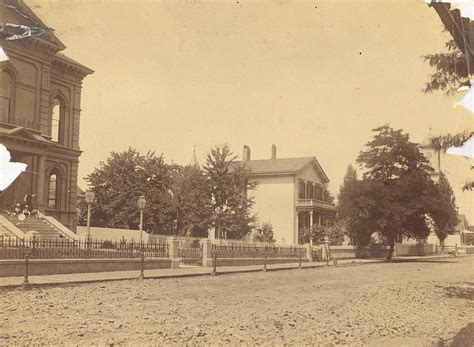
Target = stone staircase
(45,230)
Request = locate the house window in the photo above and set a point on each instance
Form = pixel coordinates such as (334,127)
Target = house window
(301,190)
(309,191)
(319,193)
(53,190)
(6,89)
(57,121)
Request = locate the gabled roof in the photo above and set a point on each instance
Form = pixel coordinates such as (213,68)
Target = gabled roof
(282,166)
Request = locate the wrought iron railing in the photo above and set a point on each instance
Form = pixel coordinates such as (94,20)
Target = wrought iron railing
(249,250)
(190,253)
(317,254)
(66,249)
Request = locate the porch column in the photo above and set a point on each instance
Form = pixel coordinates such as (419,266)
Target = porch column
(319,219)
(311,226)
(40,203)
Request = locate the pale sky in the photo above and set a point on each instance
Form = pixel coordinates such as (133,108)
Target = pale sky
(311,77)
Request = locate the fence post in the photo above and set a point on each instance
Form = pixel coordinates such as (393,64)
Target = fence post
(206,252)
(309,252)
(173,245)
(25,280)
(214,265)
(142,266)
(265,264)
(299,265)
(326,248)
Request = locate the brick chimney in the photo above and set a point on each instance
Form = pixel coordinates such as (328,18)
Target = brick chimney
(274,152)
(246,153)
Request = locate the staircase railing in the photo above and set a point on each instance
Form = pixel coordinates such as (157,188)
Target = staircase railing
(61,228)
(11,228)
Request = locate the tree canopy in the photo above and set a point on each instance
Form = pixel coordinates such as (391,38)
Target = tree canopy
(396,195)
(180,200)
(230,188)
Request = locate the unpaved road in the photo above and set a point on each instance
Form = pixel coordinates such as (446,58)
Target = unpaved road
(352,305)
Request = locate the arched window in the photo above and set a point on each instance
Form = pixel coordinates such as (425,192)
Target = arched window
(53,189)
(56,121)
(6,91)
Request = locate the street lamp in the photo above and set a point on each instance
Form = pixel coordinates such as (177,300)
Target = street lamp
(141,205)
(89,197)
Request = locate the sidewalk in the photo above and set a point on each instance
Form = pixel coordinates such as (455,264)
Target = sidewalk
(180,272)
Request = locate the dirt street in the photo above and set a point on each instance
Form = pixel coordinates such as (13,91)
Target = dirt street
(351,305)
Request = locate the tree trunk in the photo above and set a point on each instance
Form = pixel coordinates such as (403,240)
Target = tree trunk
(391,242)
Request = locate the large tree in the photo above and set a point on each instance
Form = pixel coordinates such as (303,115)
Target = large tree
(230,186)
(120,180)
(192,201)
(396,193)
(443,210)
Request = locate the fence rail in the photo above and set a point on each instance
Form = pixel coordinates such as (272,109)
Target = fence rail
(65,249)
(240,250)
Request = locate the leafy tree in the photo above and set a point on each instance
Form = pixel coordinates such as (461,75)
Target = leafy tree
(192,202)
(120,180)
(443,210)
(451,69)
(334,232)
(327,196)
(451,73)
(396,193)
(230,184)
(264,233)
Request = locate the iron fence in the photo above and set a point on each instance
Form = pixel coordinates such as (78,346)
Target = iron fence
(242,250)
(66,249)
(190,253)
(317,254)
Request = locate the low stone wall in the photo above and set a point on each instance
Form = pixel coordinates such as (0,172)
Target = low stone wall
(420,249)
(350,252)
(69,266)
(342,252)
(253,261)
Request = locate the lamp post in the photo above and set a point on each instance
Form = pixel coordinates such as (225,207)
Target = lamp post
(89,197)
(141,205)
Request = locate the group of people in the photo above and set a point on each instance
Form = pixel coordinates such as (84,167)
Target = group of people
(24,209)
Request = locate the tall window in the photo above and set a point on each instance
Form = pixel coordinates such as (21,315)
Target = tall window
(56,120)
(319,193)
(301,190)
(309,191)
(5,95)
(53,190)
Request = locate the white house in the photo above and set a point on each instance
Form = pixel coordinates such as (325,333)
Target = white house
(289,194)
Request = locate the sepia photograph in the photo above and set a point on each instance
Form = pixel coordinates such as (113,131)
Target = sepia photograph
(237,173)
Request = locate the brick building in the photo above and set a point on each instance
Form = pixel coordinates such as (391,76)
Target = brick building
(40,106)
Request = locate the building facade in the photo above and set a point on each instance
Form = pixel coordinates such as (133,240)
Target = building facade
(289,194)
(40,107)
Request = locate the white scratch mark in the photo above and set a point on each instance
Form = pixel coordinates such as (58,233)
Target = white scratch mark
(466,150)
(465,7)
(468,100)
(3,55)
(8,171)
